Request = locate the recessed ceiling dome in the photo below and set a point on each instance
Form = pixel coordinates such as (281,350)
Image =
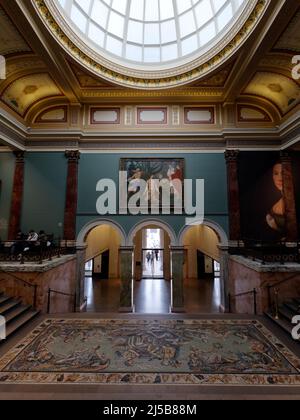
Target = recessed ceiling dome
(152,32)
(151,44)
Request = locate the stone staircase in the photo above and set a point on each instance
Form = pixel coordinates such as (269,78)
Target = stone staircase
(15,313)
(287,311)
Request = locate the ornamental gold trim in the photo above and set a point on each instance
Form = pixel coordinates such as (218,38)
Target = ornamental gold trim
(117,74)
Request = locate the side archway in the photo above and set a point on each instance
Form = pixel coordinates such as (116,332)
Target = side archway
(81,238)
(211,224)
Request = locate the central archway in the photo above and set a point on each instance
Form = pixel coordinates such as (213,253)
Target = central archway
(152,240)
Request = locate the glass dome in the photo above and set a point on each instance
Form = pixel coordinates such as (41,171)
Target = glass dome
(152,32)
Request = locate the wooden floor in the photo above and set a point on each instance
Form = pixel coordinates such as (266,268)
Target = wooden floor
(154,296)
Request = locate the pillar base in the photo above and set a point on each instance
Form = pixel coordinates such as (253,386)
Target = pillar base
(175,310)
(125,310)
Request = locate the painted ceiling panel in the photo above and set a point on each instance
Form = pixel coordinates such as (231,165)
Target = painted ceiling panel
(24,92)
(282,91)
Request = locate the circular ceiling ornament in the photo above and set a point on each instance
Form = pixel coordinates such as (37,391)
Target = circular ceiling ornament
(97,34)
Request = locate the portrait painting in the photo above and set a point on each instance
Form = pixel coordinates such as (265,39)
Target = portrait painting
(167,171)
(263,210)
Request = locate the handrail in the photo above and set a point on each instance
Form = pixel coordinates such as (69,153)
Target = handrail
(252,292)
(50,291)
(37,254)
(269,287)
(33,286)
(272,286)
(274,305)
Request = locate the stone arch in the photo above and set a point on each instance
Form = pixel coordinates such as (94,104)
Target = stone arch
(157,222)
(211,224)
(99,222)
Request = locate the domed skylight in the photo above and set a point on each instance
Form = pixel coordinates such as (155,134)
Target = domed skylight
(152,32)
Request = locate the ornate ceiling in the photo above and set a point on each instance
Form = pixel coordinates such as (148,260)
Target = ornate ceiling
(52,99)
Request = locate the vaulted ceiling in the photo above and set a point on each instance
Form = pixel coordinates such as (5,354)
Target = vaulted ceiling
(50,99)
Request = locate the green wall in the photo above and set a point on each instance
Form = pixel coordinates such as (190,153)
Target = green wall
(44,192)
(7,168)
(208,166)
(45,189)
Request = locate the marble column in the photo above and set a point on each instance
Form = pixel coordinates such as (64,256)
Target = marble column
(17,197)
(71,196)
(289,197)
(126,270)
(231,157)
(177,262)
(80,276)
(224,278)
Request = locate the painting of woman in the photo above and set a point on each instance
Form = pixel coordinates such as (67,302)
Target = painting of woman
(276,216)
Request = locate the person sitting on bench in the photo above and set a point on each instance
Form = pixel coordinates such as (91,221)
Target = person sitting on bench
(19,244)
(31,241)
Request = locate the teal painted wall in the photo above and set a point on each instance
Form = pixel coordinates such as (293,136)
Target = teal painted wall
(208,166)
(7,168)
(45,189)
(44,192)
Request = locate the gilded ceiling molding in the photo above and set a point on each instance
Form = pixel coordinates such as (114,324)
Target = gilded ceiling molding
(190,93)
(123,76)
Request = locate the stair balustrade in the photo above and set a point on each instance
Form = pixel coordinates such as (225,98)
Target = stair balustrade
(51,291)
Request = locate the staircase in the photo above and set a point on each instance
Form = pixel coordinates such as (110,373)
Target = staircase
(15,312)
(287,311)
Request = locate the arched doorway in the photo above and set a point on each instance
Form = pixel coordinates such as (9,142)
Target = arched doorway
(203,270)
(152,267)
(102,268)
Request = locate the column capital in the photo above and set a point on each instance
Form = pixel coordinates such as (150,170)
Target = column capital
(232,155)
(126,248)
(285,156)
(20,156)
(177,248)
(72,155)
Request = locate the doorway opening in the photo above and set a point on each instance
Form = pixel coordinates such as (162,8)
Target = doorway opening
(202,270)
(102,277)
(153,254)
(152,287)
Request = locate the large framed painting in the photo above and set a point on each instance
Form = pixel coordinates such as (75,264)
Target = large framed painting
(263,213)
(168,171)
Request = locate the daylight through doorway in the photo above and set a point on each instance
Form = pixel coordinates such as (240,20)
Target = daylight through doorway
(153,254)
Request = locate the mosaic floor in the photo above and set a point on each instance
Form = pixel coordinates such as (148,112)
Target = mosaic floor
(207,352)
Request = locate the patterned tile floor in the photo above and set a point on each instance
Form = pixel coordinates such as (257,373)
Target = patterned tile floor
(147,351)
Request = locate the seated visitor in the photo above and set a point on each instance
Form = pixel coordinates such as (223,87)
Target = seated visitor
(44,240)
(32,240)
(19,244)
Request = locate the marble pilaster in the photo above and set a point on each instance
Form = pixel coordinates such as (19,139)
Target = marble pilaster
(224,278)
(126,270)
(71,195)
(80,275)
(231,157)
(17,197)
(177,259)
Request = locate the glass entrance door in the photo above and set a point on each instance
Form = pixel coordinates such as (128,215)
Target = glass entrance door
(153,263)
(153,254)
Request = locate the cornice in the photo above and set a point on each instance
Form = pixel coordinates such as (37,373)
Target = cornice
(163,79)
(17,135)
